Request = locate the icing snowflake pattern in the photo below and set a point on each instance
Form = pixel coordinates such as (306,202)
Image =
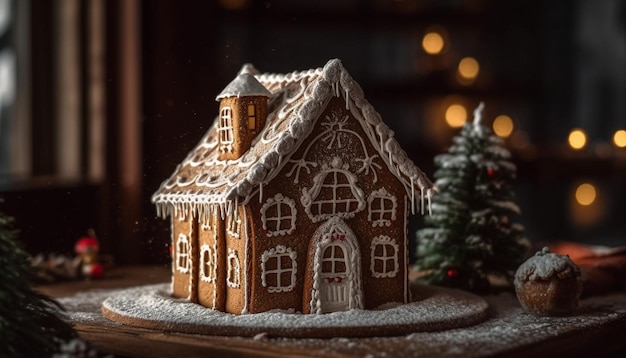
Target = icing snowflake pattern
(335,134)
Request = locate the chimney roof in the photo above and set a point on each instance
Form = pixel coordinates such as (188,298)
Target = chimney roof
(244,85)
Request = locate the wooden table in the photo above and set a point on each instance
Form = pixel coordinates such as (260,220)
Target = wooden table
(597,329)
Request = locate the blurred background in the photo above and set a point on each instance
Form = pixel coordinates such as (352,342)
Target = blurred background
(101,99)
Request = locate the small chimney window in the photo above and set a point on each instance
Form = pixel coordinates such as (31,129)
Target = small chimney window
(225,130)
(251,116)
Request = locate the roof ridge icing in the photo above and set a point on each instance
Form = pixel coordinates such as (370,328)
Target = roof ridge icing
(257,169)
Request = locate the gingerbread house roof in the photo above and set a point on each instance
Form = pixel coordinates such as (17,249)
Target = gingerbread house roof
(244,85)
(202,182)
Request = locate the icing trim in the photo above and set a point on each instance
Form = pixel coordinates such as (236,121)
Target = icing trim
(336,229)
(387,206)
(183,254)
(233,277)
(233,224)
(280,253)
(225,130)
(281,221)
(302,96)
(211,263)
(384,242)
(342,207)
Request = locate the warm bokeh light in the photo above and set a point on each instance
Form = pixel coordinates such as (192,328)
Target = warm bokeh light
(469,68)
(585,194)
(619,138)
(234,4)
(456,115)
(577,138)
(503,126)
(433,43)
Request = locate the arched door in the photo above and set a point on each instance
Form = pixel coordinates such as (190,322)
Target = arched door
(336,276)
(337,265)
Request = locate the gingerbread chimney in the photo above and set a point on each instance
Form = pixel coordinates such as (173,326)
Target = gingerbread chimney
(243,110)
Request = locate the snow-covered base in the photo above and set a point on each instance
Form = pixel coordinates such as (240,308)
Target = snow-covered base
(434,309)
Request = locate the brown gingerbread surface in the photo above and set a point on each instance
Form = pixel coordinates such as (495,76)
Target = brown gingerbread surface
(433,309)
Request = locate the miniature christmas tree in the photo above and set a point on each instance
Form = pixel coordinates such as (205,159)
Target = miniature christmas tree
(29,325)
(471,233)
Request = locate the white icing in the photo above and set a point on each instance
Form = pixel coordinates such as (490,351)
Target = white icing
(388,249)
(183,254)
(215,265)
(233,224)
(245,84)
(319,209)
(276,258)
(233,277)
(336,233)
(225,130)
(208,263)
(382,208)
(284,221)
(203,181)
(335,134)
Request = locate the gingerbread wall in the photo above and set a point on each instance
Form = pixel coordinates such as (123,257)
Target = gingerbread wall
(184,254)
(338,144)
(211,264)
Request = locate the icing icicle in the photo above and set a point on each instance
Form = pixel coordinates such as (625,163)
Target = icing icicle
(429,196)
(412,197)
(261,192)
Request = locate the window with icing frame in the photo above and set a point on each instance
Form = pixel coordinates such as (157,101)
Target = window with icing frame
(233,278)
(208,263)
(278,269)
(334,193)
(225,130)
(278,216)
(233,224)
(382,208)
(384,257)
(182,254)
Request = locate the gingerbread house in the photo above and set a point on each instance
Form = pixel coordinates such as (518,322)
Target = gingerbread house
(296,198)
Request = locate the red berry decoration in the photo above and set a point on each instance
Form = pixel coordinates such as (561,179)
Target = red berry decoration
(452,273)
(490,172)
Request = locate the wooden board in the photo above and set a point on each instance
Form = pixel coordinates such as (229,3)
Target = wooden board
(596,329)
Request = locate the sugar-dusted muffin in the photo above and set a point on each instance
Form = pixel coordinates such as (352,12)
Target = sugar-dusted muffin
(548,284)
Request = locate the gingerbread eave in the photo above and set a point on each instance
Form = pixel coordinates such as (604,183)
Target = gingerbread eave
(203,182)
